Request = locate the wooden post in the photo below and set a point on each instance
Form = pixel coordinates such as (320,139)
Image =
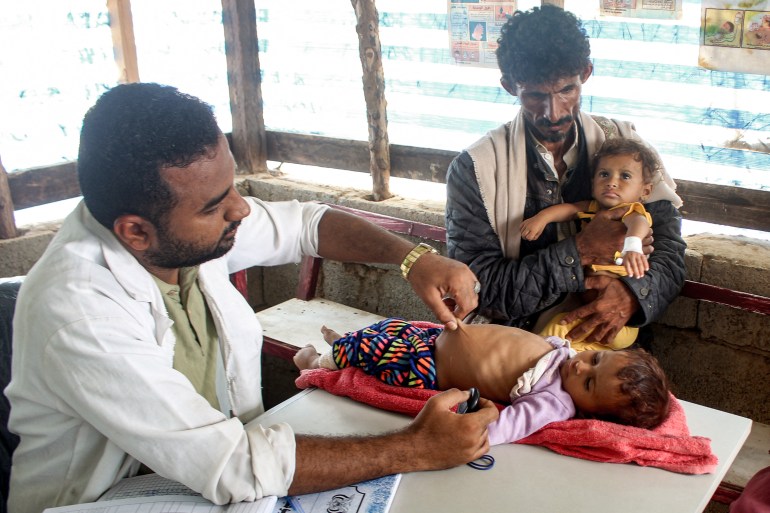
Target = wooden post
(370,52)
(124,46)
(239,18)
(7,221)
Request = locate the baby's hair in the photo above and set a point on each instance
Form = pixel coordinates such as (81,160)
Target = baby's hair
(637,149)
(644,383)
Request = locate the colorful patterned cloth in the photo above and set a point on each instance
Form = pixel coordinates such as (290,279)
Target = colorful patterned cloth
(393,350)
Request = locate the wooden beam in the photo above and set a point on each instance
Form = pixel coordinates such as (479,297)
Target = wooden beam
(314,150)
(370,53)
(719,204)
(7,221)
(41,185)
(123,43)
(239,18)
(724,204)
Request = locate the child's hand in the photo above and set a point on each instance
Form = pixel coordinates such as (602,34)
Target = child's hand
(636,264)
(532,228)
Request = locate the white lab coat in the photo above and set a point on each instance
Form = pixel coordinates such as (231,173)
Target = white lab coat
(93,393)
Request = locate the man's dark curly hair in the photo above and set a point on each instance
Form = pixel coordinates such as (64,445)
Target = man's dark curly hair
(131,134)
(542,45)
(644,384)
(637,149)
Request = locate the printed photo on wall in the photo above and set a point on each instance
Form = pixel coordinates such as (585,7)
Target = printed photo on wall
(757,32)
(723,27)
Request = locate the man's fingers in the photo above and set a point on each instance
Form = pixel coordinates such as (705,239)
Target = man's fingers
(582,312)
(582,331)
(438,306)
(487,412)
(647,243)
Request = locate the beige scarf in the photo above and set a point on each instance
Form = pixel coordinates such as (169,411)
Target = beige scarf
(501,171)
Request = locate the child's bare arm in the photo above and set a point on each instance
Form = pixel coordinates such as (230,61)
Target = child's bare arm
(637,228)
(533,227)
(636,225)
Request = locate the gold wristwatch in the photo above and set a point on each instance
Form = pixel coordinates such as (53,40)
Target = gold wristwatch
(417,251)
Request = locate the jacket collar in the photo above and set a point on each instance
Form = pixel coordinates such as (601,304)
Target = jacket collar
(128,272)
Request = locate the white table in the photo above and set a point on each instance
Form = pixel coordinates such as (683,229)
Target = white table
(528,478)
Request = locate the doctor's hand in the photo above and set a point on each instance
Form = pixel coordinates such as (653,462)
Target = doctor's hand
(443,439)
(434,278)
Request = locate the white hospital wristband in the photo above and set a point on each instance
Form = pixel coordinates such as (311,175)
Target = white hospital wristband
(633,244)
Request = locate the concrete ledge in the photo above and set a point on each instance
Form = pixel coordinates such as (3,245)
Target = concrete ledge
(20,254)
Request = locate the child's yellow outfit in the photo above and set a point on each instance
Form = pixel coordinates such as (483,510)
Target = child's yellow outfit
(627,335)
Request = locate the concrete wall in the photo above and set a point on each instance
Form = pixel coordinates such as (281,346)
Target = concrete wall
(714,355)
(17,256)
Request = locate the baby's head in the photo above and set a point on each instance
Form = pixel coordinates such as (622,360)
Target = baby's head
(624,171)
(627,387)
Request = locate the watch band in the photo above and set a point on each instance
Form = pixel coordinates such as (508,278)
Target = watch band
(417,251)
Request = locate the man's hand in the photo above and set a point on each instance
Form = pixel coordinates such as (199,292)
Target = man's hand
(444,439)
(436,439)
(603,236)
(435,277)
(604,316)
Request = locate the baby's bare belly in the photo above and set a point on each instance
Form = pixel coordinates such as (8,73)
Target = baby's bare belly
(488,357)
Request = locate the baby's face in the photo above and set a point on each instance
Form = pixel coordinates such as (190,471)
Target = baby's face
(619,179)
(591,379)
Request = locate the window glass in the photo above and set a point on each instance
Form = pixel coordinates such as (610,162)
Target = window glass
(182,43)
(311,72)
(55,60)
(709,126)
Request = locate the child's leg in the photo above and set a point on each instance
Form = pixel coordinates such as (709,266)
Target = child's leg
(330,335)
(392,350)
(306,358)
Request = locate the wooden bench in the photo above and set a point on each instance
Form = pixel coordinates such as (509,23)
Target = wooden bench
(290,325)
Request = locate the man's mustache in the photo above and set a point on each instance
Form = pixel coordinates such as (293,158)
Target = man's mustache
(230,229)
(545,123)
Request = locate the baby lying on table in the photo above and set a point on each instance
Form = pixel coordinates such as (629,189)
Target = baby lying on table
(542,379)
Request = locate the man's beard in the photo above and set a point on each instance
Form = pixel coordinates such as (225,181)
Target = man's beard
(173,253)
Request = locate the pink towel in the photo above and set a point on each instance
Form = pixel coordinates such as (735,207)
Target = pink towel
(669,446)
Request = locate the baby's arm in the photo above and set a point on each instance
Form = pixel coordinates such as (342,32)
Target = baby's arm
(637,228)
(533,227)
(526,415)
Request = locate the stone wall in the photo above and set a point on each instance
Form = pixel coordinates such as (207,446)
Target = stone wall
(718,355)
(18,255)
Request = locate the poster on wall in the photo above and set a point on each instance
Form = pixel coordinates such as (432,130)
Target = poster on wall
(735,36)
(474,28)
(655,9)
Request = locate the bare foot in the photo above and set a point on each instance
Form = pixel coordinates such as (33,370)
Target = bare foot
(306,358)
(330,335)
